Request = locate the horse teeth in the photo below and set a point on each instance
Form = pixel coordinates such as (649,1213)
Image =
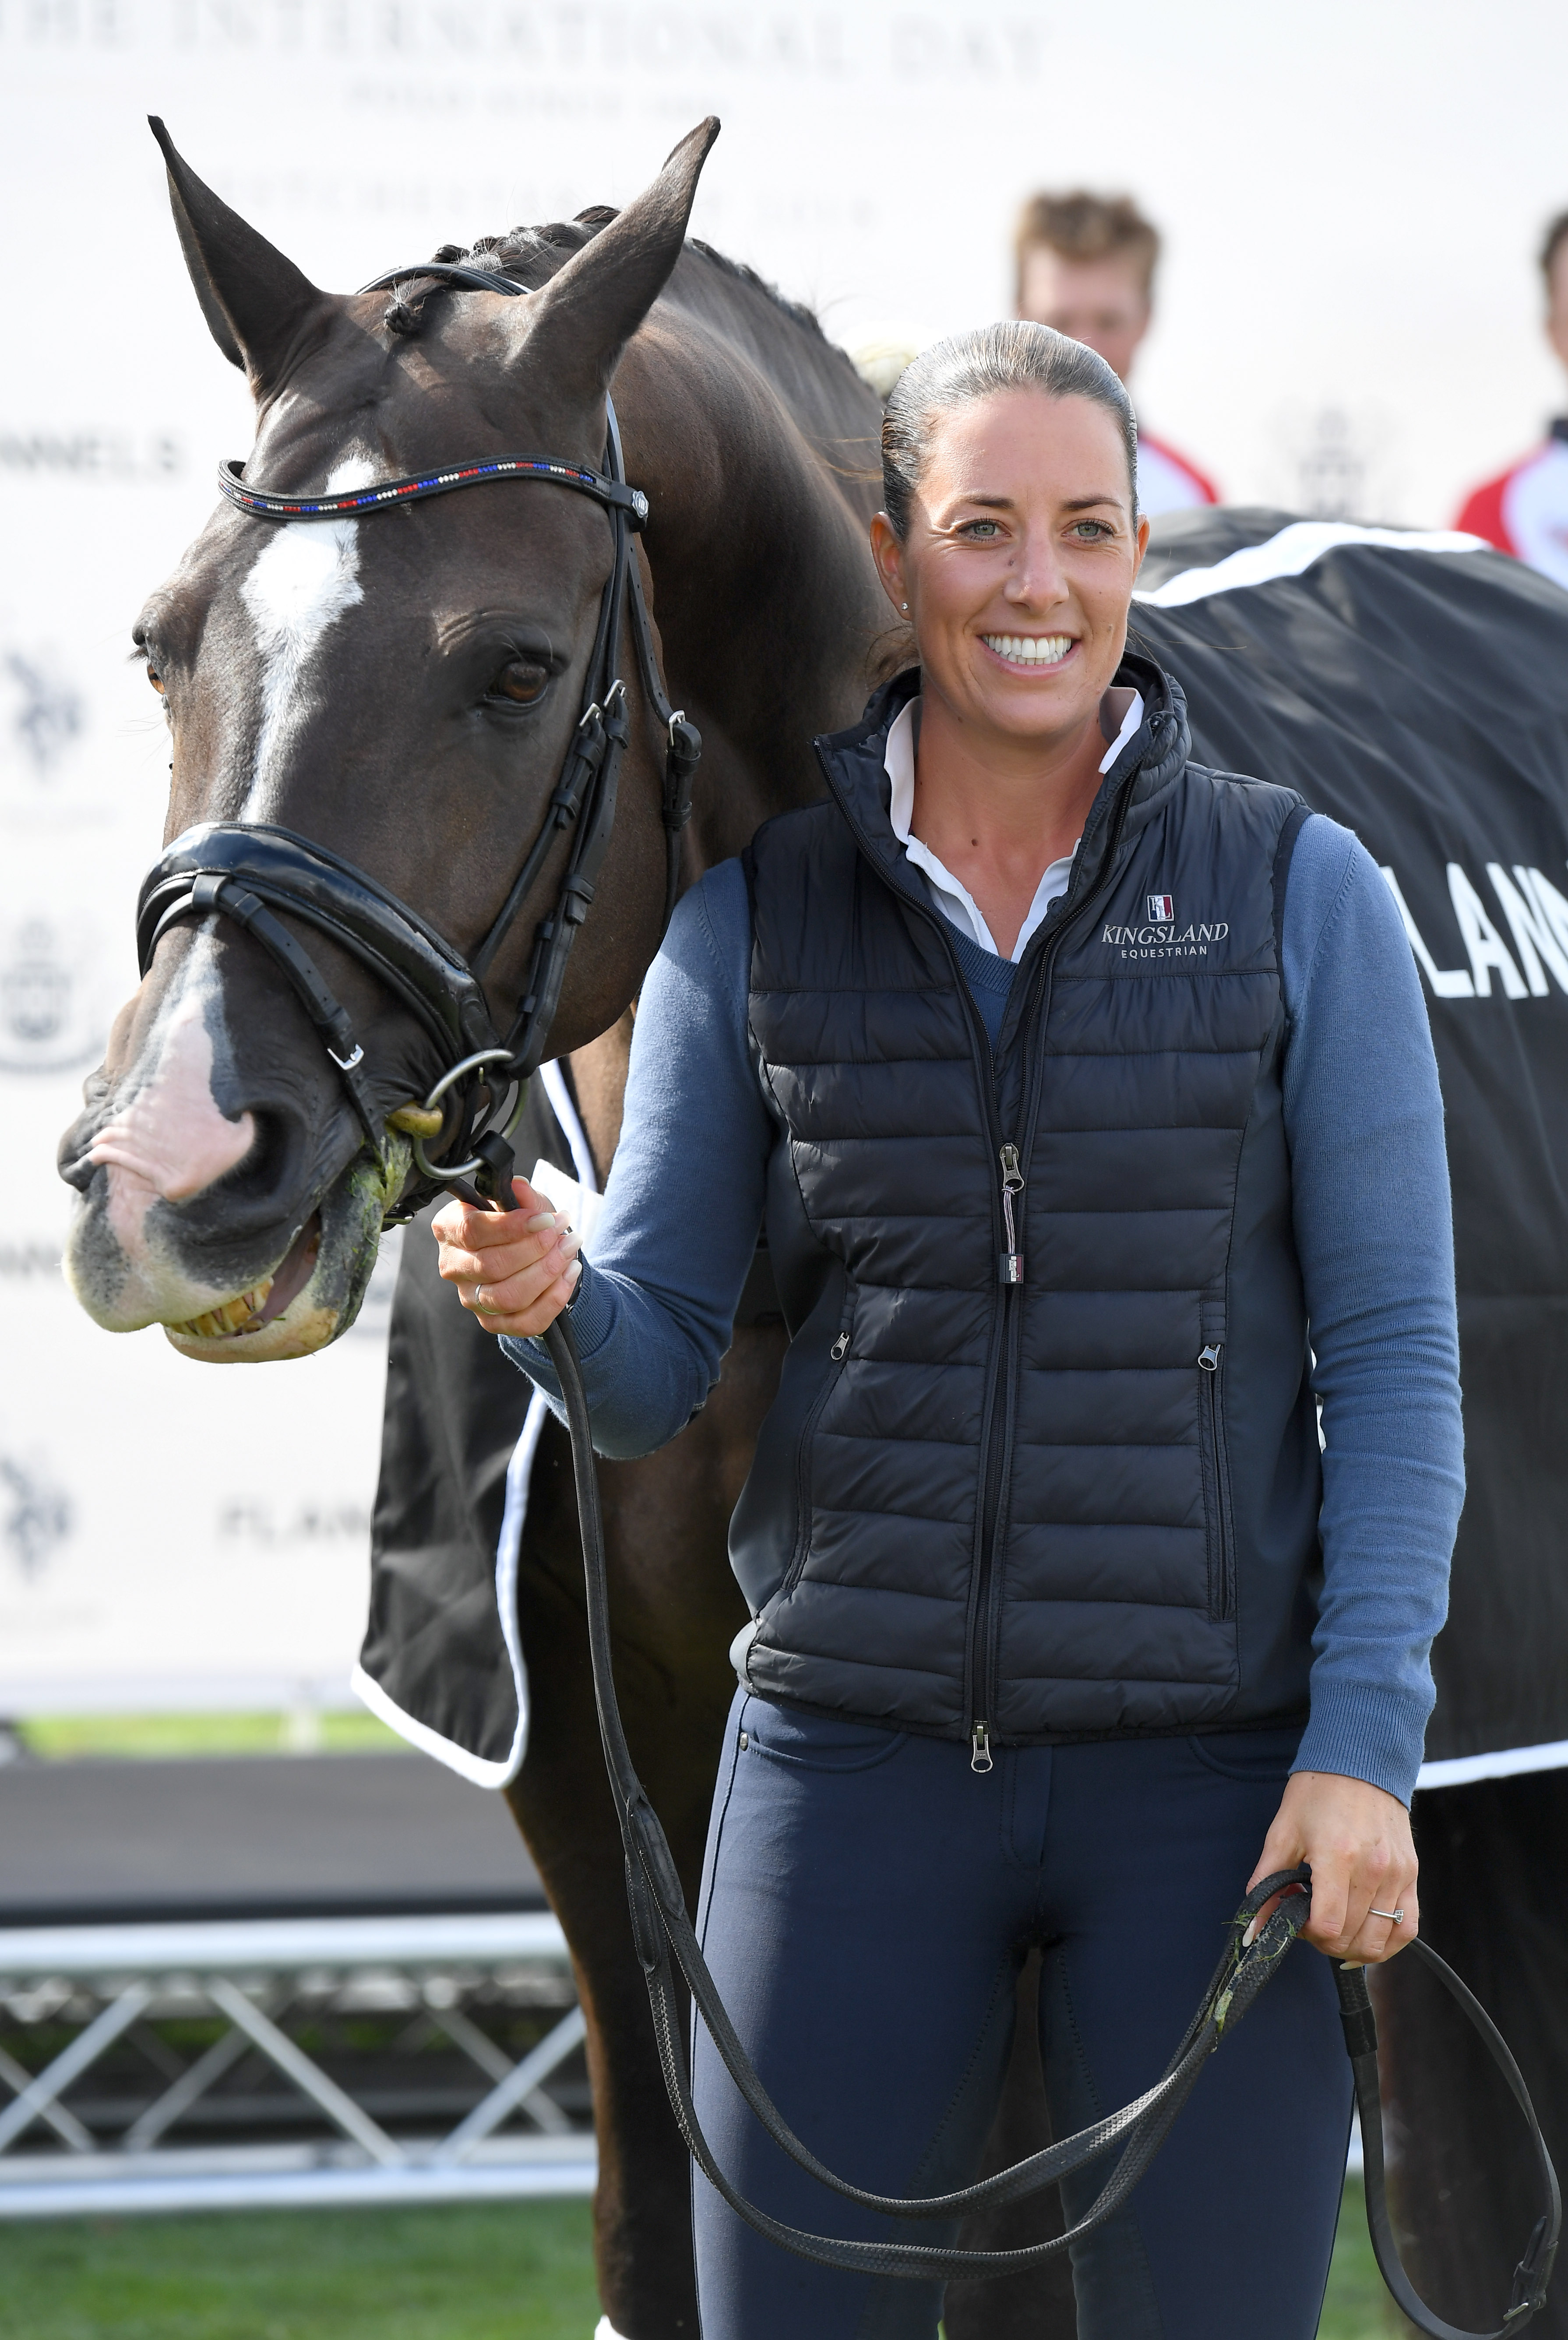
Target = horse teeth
(234,1316)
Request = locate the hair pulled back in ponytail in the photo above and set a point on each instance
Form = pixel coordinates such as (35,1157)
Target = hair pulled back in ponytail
(978,364)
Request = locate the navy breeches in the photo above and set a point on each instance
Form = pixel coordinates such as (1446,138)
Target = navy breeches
(866,1903)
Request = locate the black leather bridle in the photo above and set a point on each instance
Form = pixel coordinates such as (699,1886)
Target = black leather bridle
(250,871)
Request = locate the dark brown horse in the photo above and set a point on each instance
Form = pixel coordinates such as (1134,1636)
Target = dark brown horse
(403,689)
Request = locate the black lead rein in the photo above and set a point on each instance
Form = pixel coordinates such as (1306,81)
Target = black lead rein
(249,872)
(665,1939)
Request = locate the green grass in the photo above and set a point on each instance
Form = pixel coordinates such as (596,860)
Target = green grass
(492,2271)
(1357,2306)
(60,1737)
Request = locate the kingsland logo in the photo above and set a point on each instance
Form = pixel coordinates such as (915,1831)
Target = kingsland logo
(1536,916)
(1162,939)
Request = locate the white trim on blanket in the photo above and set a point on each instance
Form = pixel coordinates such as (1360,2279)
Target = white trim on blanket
(1505,1764)
(563,1106)
(476,1769)
(1293,549)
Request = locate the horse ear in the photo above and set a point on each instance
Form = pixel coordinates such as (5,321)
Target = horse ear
(252,298)
(581,320)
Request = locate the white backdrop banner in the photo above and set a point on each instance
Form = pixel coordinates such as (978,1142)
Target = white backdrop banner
(170,1532)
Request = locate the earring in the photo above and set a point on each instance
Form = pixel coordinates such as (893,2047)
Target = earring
(905,607)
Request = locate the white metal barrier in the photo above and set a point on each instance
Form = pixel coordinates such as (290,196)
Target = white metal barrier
(110,1979)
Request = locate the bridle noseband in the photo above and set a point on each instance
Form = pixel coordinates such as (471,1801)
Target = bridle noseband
(249,870)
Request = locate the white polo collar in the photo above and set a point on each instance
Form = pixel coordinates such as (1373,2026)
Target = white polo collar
(952,898)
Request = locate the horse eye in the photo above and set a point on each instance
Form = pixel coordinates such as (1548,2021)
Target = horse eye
(156,679)
(520,681)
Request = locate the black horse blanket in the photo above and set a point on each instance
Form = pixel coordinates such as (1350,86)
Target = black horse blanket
(1416,688)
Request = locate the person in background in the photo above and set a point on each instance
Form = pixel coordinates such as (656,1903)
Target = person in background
(1526,510)
(1086,268)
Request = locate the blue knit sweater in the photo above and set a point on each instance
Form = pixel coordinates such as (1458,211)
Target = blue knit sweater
(1363,1120)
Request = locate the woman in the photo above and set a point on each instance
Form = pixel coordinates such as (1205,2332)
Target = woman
(1088,1099)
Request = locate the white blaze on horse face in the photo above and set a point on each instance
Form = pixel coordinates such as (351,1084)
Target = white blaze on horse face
(300,583)
(172,1137)
(169,1139)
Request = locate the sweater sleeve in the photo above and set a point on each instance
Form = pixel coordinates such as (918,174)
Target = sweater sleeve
(655,1310)
(1364,1121)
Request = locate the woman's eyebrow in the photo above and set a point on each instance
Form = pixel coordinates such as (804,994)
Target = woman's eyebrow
(1009,504)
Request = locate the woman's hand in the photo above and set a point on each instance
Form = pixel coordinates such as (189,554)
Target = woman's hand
(1363,1859)
(513,1270)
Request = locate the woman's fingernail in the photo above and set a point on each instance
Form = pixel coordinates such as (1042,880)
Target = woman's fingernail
(541,1219)
(574,1271)
(569,1244)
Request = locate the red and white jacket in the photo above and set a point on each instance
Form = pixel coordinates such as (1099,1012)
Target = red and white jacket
(1525,511)
(1168,481)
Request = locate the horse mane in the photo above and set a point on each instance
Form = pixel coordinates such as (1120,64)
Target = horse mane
(532,255)
(817,379)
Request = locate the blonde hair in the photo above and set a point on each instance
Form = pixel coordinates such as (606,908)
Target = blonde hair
(1081,226)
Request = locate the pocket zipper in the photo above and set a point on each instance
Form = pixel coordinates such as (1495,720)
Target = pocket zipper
(1208,1363)
(836,1355)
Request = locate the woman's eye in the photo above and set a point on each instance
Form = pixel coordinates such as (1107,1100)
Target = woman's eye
(982,531)
(1091,531)
(522,681)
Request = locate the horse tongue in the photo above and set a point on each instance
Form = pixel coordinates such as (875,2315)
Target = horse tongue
(293,1274)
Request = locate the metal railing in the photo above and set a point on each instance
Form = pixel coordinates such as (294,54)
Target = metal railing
(342,2019)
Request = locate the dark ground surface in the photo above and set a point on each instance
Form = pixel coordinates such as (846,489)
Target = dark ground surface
(94,1843)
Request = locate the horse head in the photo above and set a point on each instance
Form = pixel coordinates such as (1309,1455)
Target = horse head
(403,689)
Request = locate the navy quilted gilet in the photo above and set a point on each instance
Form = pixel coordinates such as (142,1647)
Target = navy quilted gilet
(1063,1481)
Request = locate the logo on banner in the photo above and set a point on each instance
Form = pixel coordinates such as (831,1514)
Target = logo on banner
(34,1515)
(51,997)
(48,713)
(1162,909)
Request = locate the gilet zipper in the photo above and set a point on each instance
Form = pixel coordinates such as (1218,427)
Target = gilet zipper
(980,1631)
(986,1616)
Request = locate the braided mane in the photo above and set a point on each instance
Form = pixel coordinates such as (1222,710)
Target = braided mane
(532,255)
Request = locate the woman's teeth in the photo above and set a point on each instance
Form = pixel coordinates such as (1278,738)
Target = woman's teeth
(1029,650)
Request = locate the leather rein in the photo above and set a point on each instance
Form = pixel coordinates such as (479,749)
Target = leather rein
(250,871)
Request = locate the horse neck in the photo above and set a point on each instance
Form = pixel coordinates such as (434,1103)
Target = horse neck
(768,606)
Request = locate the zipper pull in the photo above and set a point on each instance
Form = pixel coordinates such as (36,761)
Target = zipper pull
(1208,1359)
(839,1347)
(981,1742)
(1010,1267)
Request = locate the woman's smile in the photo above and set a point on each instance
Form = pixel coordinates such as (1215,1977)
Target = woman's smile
(1036,650)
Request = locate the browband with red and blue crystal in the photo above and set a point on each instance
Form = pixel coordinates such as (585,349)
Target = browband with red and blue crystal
(615,494)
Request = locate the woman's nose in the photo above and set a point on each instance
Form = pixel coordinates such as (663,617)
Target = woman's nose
(1036,581)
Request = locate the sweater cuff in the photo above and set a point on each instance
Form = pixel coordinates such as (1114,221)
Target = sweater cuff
(592,1312)
(1364,1733)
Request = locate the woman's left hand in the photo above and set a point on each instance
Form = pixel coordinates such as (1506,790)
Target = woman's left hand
(1358,1842)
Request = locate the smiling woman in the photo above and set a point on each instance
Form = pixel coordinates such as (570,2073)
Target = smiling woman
(1058,1615)
(1012,541)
